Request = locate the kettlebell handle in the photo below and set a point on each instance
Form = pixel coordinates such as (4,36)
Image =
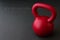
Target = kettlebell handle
(45,6)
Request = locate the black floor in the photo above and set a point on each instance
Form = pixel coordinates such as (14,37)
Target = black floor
(16,21)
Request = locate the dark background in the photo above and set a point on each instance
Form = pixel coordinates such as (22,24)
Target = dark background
(16,19)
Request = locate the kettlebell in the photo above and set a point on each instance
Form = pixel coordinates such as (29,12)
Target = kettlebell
(43,25)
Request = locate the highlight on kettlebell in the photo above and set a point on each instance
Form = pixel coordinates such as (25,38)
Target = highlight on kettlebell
(43,25)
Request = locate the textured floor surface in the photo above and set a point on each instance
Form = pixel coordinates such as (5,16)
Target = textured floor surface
(16,21)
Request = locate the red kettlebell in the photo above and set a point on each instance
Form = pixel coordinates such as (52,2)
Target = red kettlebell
(43,25)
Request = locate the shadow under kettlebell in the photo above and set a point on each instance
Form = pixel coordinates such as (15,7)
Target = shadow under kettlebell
(47,36)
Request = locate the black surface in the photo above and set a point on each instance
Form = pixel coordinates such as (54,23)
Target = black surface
(16,20)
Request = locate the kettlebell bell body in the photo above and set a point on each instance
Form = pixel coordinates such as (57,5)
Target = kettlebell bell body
(43,25)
